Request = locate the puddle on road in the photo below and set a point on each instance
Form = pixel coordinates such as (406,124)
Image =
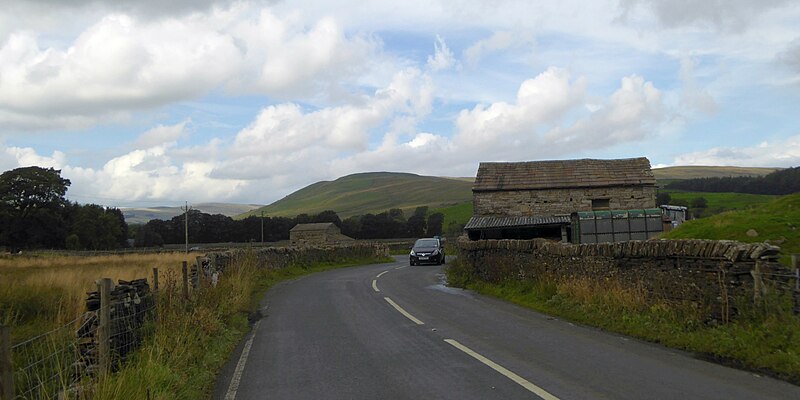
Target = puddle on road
(442,287)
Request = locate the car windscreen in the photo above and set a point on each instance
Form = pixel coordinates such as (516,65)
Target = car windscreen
(426,243)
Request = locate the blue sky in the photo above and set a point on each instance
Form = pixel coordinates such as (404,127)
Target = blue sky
(146,103)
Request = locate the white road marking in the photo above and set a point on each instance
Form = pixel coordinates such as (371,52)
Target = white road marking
(402,267)
(404,312)
(508,374)
(375,285)
(237,374)
(381,274)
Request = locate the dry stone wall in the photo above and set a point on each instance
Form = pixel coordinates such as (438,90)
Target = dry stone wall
(282,257)
(711,274)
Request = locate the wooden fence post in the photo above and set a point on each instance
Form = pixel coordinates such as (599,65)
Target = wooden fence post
(185,273)
(6,365)
(104,287)
(155,279)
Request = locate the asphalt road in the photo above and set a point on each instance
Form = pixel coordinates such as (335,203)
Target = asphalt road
(334,335)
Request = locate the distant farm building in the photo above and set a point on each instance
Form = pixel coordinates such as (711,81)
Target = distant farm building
(524,200)
(318,233)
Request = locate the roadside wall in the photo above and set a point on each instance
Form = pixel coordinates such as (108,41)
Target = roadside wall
(709,273)
(282,257)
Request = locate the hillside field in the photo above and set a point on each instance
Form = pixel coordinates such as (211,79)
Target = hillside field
(372,192)
(691,172)
(776,220)
(722,201)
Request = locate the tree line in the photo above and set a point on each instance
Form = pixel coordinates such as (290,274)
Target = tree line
(781,182)
(218,228)
(34,214)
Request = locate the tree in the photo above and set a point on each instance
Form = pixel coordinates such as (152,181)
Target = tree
(663,198)
(32,208)
(435,222)
(699,202)
(416,223)
(328,216)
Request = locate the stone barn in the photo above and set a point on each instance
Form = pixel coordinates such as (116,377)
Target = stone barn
(525,200)
(317,233)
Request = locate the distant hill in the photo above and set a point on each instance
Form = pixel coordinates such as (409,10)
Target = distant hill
(371,192)
(692,172)
(142,215)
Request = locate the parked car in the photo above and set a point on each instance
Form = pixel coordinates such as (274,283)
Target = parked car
(427,251)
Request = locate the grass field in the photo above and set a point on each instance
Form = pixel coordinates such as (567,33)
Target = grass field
(373,192)
(38,293)
(722,201)
(691,172)
(777,220)
(455,216)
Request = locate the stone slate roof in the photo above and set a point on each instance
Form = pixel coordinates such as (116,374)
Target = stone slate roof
(513,222)
(319,226)
(563,174)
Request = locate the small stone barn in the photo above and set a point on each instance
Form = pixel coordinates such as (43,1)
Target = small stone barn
(317,233)
(525,200)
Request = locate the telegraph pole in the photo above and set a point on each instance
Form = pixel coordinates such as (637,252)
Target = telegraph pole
(186,224)
(262,227)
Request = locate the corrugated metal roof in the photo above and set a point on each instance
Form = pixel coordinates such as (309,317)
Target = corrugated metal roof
(319,226)
(560,174)
(514,222)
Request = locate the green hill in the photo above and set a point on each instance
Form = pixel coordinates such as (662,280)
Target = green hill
(692,172)
(776,221)
(141,215)
(371,192)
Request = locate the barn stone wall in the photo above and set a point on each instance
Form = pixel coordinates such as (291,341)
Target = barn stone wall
(551,202)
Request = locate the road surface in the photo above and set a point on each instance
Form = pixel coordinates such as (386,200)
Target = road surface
(391,331)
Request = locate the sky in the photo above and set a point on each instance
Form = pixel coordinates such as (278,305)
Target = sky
(145,103)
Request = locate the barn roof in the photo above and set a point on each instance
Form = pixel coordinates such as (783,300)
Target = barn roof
(514,222)
(561,174)
(319,226)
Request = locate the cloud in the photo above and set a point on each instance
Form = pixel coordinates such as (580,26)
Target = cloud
(776,153)
(726,15)
(161,135)
(442,58)
(498,41)
(693,97)
(15,157)
(287,132)
(122,63)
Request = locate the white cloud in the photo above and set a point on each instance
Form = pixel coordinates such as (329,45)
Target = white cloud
(776,153)
(123,63)
(442,58)
(15,157)
(498,41)
(161,135)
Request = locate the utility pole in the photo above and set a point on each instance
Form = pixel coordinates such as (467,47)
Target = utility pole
(262,227)
(186,224)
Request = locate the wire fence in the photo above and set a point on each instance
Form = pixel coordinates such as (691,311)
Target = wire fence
(56,364)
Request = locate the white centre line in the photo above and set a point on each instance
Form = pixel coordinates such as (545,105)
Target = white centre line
(402,267)
(375,285)
(508,374)
(237,374)
(381,274)
(404,312)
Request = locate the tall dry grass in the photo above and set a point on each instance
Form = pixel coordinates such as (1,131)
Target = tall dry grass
(38,293)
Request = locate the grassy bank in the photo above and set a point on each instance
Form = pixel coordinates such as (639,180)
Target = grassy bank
(763,338)
(777,221)
(194,339)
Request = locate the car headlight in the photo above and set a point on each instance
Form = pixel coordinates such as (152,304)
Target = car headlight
(435,252)
(412,253)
